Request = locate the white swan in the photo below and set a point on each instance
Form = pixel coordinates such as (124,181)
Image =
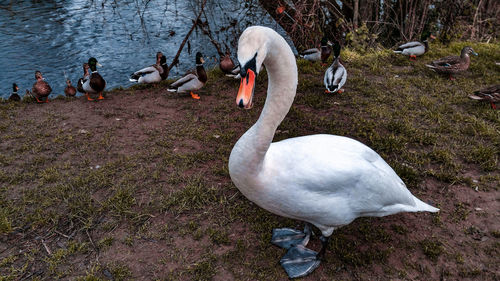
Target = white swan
(324,180)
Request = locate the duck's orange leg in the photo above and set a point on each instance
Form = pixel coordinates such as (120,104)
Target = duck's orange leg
(413,57)
(100,96)
(88,97)
(452,78)
(340,91)
(493,105)
(195,96)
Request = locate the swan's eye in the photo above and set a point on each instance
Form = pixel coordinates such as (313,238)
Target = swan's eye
(251,64)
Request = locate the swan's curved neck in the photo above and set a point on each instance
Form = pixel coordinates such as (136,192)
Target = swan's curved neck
(282,73)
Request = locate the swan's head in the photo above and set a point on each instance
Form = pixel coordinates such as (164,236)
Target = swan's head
(252,50)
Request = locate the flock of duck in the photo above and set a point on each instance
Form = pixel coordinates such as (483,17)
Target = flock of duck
(324,180)
(92,84)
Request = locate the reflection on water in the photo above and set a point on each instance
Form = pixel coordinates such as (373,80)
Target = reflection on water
(59,35)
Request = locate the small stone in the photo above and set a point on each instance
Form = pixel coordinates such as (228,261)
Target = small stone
(216,136)
(476,188)
(83,131)
(97,166)
(478,209)
(396,76)
(475,181)
(118,119)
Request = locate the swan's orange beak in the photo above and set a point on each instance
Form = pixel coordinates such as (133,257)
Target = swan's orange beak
(245,93)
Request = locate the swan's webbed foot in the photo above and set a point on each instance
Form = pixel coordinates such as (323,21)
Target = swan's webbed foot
(287,237)
(299,261)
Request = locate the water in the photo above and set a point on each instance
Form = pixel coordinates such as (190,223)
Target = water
(54,36)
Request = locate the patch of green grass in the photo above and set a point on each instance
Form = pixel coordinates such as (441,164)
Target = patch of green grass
(432,248)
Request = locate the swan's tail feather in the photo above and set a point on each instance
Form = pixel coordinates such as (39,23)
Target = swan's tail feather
(398,208)
(424,207)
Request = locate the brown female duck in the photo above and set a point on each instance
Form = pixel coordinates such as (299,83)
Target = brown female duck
(69,91)
(41,89)
(453,64)
(490,94)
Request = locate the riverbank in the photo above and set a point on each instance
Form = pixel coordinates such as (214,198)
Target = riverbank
(137,186)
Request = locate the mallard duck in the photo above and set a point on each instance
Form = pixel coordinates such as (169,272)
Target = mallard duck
(69,91)
(316,54)
(94,84)
(453,64)
(228,67)
(414,48)
(41,89)
(191,81)
(325,180)
(86,74)
(336,74)
(490,94)
(154,73)
(14,96)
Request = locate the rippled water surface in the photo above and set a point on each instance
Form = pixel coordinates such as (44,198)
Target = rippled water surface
(54,36)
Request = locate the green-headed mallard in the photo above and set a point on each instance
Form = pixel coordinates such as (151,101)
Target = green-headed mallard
(490,94)
(453,64)
(191,81)
(336,74)
(154,73)
(41,89)
(316,54)
(414,48)
(94,83)
(14,96)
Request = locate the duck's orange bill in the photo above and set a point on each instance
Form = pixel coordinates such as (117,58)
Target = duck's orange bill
(245,93)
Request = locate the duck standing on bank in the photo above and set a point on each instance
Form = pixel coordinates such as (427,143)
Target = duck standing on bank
(192,81)
(69,91)
(93,84)
(154,73)
(14,96)
(41,89)
(490,94)
(325,180)
(414,48)
(322,54)
(336,74)
(453,64)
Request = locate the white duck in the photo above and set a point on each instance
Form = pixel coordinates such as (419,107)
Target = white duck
(325,180)
(336,74)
